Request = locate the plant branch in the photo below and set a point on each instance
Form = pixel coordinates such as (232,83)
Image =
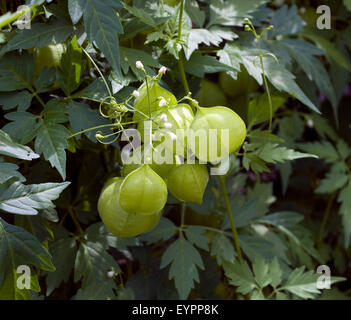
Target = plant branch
(75,220)
(325,218)
(230,216)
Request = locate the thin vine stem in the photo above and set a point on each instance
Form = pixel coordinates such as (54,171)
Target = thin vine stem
(180,60)
(230,217)
(75,220)
(266,85)
(250,27)
(98,70)
(182,216)
(325,218)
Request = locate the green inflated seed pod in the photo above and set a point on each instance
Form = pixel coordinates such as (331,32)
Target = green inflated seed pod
(143,192)
(217,147)
(187,182)
(118,221)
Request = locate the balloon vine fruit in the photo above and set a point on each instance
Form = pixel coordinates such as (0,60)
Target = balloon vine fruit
(217,118)
(118,221)
(143,192)
(187,182)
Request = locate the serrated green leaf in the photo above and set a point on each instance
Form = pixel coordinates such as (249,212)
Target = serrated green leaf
(184,260)
(222,248)
(213,36)
(199,65)
(19,247)
(345,210)
(22,99)
(91,266)
(12,149)
(8,171)
(324,150)
(102,25)
(164,231)
(195,235)
(39,35)
(23,127)
(302,284)
(273,153)
(232,12)
(332,182)
(63,254)
(284,81)
(26,199)
(130,56)
(261,272)
(259,110)
(16,72)
(51,136)
(240,275)
(82,117)
(10,291)
(286,21)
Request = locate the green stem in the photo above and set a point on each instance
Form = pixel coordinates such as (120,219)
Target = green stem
(94,128)
(325,218)
(37,96)
(182,74)
(182,214)
(180,60)
(180,19)
(75,220)
(230,216)
(266,85)
(98,70)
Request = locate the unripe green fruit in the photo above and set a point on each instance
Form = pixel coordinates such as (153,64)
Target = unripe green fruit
(143,192)
(116,220)
(217,118)
(49,56)
(148,103)
(210,94)
(187,182)
(244,83)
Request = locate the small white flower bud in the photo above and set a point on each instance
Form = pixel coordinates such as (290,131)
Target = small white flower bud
(310,123)
(110,274)
(136,94)
(163,117)
(162,70)
(139,65)
(168,125)
(162,102)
